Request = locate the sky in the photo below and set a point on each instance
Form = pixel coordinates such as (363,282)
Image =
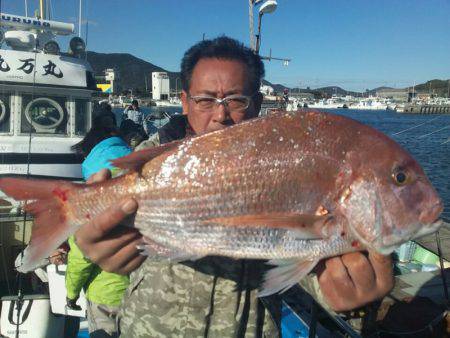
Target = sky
(354,44)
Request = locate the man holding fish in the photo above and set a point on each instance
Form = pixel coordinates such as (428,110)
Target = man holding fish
(222,196)
(346,281)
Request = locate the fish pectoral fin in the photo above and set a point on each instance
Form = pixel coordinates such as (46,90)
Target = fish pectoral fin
(286,274)
(156,251)
(136,160)
(308,226)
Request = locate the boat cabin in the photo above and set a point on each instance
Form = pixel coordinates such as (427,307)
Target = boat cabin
(45,99)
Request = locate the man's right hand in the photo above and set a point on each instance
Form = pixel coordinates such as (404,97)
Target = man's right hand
(105,242)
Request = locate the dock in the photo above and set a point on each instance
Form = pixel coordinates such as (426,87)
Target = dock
(426,109)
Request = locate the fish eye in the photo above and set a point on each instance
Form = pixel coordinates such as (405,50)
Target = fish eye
(400,177)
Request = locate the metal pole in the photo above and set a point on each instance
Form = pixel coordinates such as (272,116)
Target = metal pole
(258,36)
(441,263)
(26,8)
(79,21)
(41,8)
(250,21)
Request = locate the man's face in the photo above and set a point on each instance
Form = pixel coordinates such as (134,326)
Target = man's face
(218,78)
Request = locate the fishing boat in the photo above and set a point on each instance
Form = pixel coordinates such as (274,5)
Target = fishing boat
(45,98)
(45,108)
(172,102)
(371,103)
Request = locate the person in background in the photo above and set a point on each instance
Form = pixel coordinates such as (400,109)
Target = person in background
(105,109)
(134,126)
(104,290)
(40,284)
(214,296)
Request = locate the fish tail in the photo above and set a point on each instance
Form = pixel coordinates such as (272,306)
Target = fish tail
(51,205)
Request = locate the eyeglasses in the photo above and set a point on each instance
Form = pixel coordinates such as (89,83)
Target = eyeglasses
(232,102)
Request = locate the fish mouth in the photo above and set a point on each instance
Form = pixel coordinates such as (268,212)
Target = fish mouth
(389,243)
(431,215)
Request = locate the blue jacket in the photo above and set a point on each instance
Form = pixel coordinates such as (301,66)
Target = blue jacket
(101,287)
(102,153)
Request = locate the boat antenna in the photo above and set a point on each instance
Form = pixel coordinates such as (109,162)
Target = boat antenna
(26,8)
(1,235)
(79,20)
(87,31)
(19,278)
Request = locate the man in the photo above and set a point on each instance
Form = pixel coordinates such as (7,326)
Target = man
(133,113)
(133,123)
(214,296)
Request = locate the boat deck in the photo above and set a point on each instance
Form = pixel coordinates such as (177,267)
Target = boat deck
(429,242)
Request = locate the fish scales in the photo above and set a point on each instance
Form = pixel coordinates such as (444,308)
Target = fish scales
(253,196)
(260,243)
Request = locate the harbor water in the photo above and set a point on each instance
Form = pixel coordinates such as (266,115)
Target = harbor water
(424,136)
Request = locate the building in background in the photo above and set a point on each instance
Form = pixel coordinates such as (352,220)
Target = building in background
(160,86)
(395,94)
(266,90)
(109,82)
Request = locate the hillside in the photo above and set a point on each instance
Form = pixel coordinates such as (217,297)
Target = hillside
(437,87)
(132,71)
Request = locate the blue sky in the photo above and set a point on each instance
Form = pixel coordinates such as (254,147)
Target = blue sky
(355,44)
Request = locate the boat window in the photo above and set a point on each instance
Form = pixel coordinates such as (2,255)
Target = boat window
(82,116)
(5,125)
(45,115)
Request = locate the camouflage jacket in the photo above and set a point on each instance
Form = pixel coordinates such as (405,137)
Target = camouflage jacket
(211,297)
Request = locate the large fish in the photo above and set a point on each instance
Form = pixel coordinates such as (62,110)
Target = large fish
(292,188)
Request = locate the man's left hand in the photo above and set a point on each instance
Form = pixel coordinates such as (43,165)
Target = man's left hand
(354,279)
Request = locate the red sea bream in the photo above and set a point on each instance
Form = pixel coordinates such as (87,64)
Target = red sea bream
(291,188)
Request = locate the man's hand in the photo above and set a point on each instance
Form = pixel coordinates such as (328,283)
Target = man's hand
(105,242)
(58,257)
(353,280)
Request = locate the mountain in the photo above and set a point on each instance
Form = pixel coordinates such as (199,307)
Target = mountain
(133,73)
(437,87)
(132,70)
(279,88)
(375,90)
(334,90)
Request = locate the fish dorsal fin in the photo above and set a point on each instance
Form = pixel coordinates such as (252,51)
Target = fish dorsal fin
(284,275)
(136,160)
(310,226)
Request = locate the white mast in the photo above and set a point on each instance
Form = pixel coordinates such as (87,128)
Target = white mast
(79,22)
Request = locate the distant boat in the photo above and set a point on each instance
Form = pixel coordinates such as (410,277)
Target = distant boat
(331,103)
(172,102)
(371,103)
